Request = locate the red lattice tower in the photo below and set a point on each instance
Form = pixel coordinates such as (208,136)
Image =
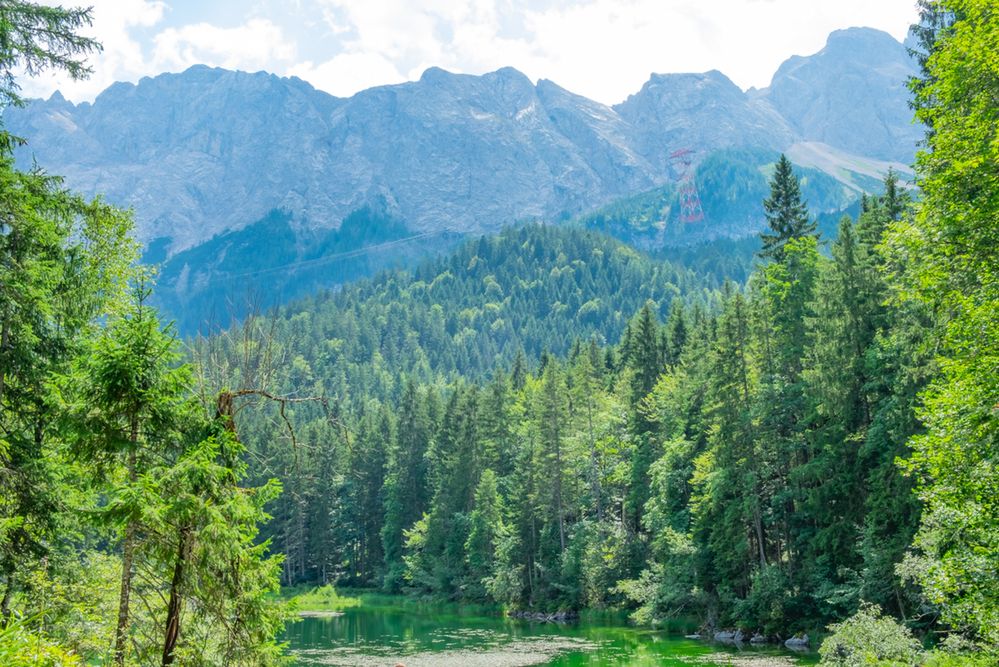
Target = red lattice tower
(690,201)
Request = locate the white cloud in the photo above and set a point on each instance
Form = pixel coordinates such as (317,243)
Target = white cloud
(458,35)
(604,49)
(254,45)
(122,56)
(348,73)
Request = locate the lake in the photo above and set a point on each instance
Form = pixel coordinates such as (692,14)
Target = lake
(420,636)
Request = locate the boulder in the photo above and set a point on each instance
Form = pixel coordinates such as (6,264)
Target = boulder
(730,637)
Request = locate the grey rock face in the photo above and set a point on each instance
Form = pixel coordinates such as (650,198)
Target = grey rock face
(703,112)
(851,95)
(192,153)
(208,151)
(473,153)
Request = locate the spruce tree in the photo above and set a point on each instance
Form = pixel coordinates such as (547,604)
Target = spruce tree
(786,213)
(405,491)
(64,262)
(645,364)
(485,528)
(35,38)
(133,397)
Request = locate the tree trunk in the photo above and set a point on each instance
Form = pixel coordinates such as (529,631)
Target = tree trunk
(594,464)
(4,343)
(901,603)
(758,525)
(5,603)
(128,556)
(558,493)
(5,332)
(173,610)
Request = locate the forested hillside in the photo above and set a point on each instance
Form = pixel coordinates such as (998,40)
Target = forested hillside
(210,287)
(279,258)
(527,291)
(694,460)
(731,183)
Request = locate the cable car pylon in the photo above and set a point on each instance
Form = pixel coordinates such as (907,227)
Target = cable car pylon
(690,201)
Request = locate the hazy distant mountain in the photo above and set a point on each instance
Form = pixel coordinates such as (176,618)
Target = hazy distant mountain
(209,151)
(703,112)
(851,95)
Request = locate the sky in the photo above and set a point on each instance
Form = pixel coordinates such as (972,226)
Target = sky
(603,49)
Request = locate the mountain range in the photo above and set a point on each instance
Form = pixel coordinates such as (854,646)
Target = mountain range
(209,151)
(250,190)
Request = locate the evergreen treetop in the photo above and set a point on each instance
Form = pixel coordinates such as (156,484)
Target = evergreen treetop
(787,214)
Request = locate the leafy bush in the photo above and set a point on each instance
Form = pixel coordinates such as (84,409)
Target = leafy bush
(21,646)
(323,598)
(870,638)
(765,606)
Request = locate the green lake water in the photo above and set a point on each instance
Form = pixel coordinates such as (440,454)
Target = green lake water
(421,637)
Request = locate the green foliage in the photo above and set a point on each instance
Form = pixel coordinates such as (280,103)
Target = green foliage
(63,262)
(946,259)
(506,585)
(322,598)
(20,646)
(104,434)
(120,489)
(787,214)
(486,529)
(35,38)
(208,287)
(731,184)
(169,487)
(870,638)
(74,601)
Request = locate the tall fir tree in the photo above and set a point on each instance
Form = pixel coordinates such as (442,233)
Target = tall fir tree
(786,212)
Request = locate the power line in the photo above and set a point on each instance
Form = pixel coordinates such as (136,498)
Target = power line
(318,261)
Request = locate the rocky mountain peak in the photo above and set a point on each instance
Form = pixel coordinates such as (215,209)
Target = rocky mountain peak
(704,111)
(861,74)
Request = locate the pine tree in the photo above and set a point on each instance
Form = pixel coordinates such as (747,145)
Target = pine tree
(786,213)
(406,492)
(203,538)
(366,473)
(64,262)
(645,364)
(436,560)
(728,500)
(133,399)
(485,528)
(552,417)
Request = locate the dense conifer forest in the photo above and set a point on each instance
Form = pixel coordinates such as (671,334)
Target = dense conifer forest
(738,435)
(546,419)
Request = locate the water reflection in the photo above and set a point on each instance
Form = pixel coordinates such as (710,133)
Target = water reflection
(431,636)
